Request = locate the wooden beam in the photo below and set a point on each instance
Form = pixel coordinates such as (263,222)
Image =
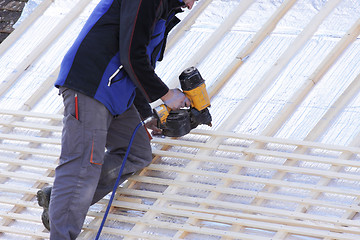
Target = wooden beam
(22,113)
(42,46)
(42,90)
(186,23)
(29,163)
(268,78)
(269,166)
(177,210)
(254,180)
(254,138)
(215,37)
(30,125)
(23,27)
(235,192)
(319,72)
(28,150)
(246,52)
(24,232)
(24,138)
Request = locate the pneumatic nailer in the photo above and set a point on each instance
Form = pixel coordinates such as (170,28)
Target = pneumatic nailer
(177,123)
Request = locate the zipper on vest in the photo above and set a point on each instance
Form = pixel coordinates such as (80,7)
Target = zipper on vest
(114,74)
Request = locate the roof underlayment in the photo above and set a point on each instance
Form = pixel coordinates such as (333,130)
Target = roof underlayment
(282,160)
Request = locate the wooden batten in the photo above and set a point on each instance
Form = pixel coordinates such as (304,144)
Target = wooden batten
(186,23)
(43,6)
(215,37)
(43,45)
(245,53)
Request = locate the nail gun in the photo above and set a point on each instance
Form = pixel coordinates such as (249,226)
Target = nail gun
(177,123)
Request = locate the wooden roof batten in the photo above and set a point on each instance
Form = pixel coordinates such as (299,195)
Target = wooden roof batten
(194,188)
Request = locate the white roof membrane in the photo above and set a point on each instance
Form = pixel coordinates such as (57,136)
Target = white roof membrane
(281,160)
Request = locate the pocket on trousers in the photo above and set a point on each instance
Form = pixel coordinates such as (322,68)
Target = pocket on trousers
(98,147)
(72,139)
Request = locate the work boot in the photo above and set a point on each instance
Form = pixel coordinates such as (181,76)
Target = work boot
(43,198)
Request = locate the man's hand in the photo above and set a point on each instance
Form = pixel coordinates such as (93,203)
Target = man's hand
(151,123)
(175,99)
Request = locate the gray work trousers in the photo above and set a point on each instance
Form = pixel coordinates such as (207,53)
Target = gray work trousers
(86,172)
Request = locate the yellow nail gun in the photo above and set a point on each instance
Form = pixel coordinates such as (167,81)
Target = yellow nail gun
(177,123)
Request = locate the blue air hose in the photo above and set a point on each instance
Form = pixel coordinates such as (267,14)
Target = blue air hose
(117,181)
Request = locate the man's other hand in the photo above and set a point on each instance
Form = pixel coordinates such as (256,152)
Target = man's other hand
(151,123)
(175,99)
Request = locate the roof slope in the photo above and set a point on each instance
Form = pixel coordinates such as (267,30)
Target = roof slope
(280,162)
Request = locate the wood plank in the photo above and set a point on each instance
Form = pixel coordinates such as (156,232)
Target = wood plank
(30,163)
(232,220)
(245,193)
(324,66)
(256,165)
(42,46)
(176,226)
(186,23)
(257,180)
(261,152)
(215,37)
(26,176)
(276,140)
(315,77)
(298,227)
(15,35)
(30,125)
(31,139)
(28,150)
(24,232)
(23,113)
(236,210)
(41,91)
(269,77)
(246,52)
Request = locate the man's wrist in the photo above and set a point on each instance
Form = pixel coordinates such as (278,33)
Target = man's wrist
(166,96)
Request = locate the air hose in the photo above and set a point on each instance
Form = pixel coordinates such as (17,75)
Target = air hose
(117,181)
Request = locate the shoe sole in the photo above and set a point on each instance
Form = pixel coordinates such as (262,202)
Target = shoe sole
(42,199)
(45,219)
(43,202)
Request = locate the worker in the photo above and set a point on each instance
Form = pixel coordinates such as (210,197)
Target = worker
(106,78)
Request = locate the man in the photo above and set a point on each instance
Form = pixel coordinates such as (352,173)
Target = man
(111,61)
